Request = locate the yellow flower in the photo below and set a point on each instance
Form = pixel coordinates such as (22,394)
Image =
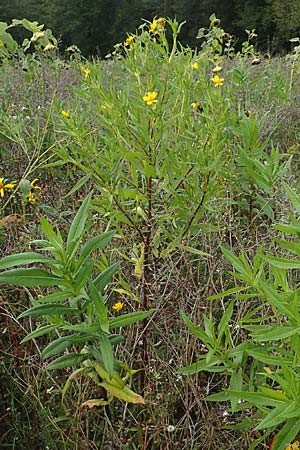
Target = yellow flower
(33,185)
(217,80)
(118,306)
(197,106)
(153,26)
(150,98)
(5,186)
(85,71)
(294,446)
(249,113)
(31,198)
(129,41)
(66,114)
(161,22)
(195,66)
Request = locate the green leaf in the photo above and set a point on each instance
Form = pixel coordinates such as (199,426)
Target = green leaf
(255,398)
(100,308)
(274,417)
(30,277)
(283,263)
(224,322)
(275,299)
(61,344)
(82,181)
(124,393)
(107,354)
(49,310)
(235,261)
(197,331)
(198,366)
(39,332)
(287,434)
(54,238)
(129,319)
(276,333)
(228,292)
(67,361)
(104,278)
(97,242)
(77,227)
(294,198)
(23,259)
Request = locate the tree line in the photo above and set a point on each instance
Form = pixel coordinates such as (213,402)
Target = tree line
(96,25)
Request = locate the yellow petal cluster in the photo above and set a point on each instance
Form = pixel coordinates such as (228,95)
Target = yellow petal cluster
(129,41)
(150,98)
(118,306)
(217,80)
(3,187)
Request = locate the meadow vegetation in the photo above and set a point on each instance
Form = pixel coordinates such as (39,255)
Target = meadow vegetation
(149,226)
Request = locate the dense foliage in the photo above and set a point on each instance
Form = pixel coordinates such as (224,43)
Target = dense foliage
(149,243)
(96,25)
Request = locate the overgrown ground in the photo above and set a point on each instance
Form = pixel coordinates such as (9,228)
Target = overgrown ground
(217,180)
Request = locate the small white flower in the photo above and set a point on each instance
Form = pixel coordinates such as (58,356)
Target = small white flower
(225,413)
(49,391)
(170,428)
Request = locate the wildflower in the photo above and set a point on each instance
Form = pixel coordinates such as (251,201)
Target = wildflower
(49,390)
(294,446)
(31,198)
(170,428)
(5,186)
(153,26)
(195,66)
(66,114)
(150,98)
(33,185)
(85,71)
(161,21)
(197,106)
(129,41)
(249,113)
(217,81)
(118,306)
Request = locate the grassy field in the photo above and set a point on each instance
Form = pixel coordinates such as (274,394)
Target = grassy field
(174,174)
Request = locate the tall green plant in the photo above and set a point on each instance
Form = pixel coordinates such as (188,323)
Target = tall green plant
(75,314)
(263,367)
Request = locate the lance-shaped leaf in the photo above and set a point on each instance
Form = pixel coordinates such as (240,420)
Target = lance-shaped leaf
(49,310)
(123,393)
(77,227)
(67,361)
(105,277)
(31,277)
(97,242)
(23,259)
(129,319)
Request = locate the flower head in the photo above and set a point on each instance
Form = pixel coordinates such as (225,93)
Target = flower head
(118,306)
(153,26)
(217,80)
(33,185)
(150,98)
(66,114)
(161,21)
(195,66)
(249,113)
(294,446)
(85,71)
(197,106)
(129,40)
(31,198)
(5,186)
